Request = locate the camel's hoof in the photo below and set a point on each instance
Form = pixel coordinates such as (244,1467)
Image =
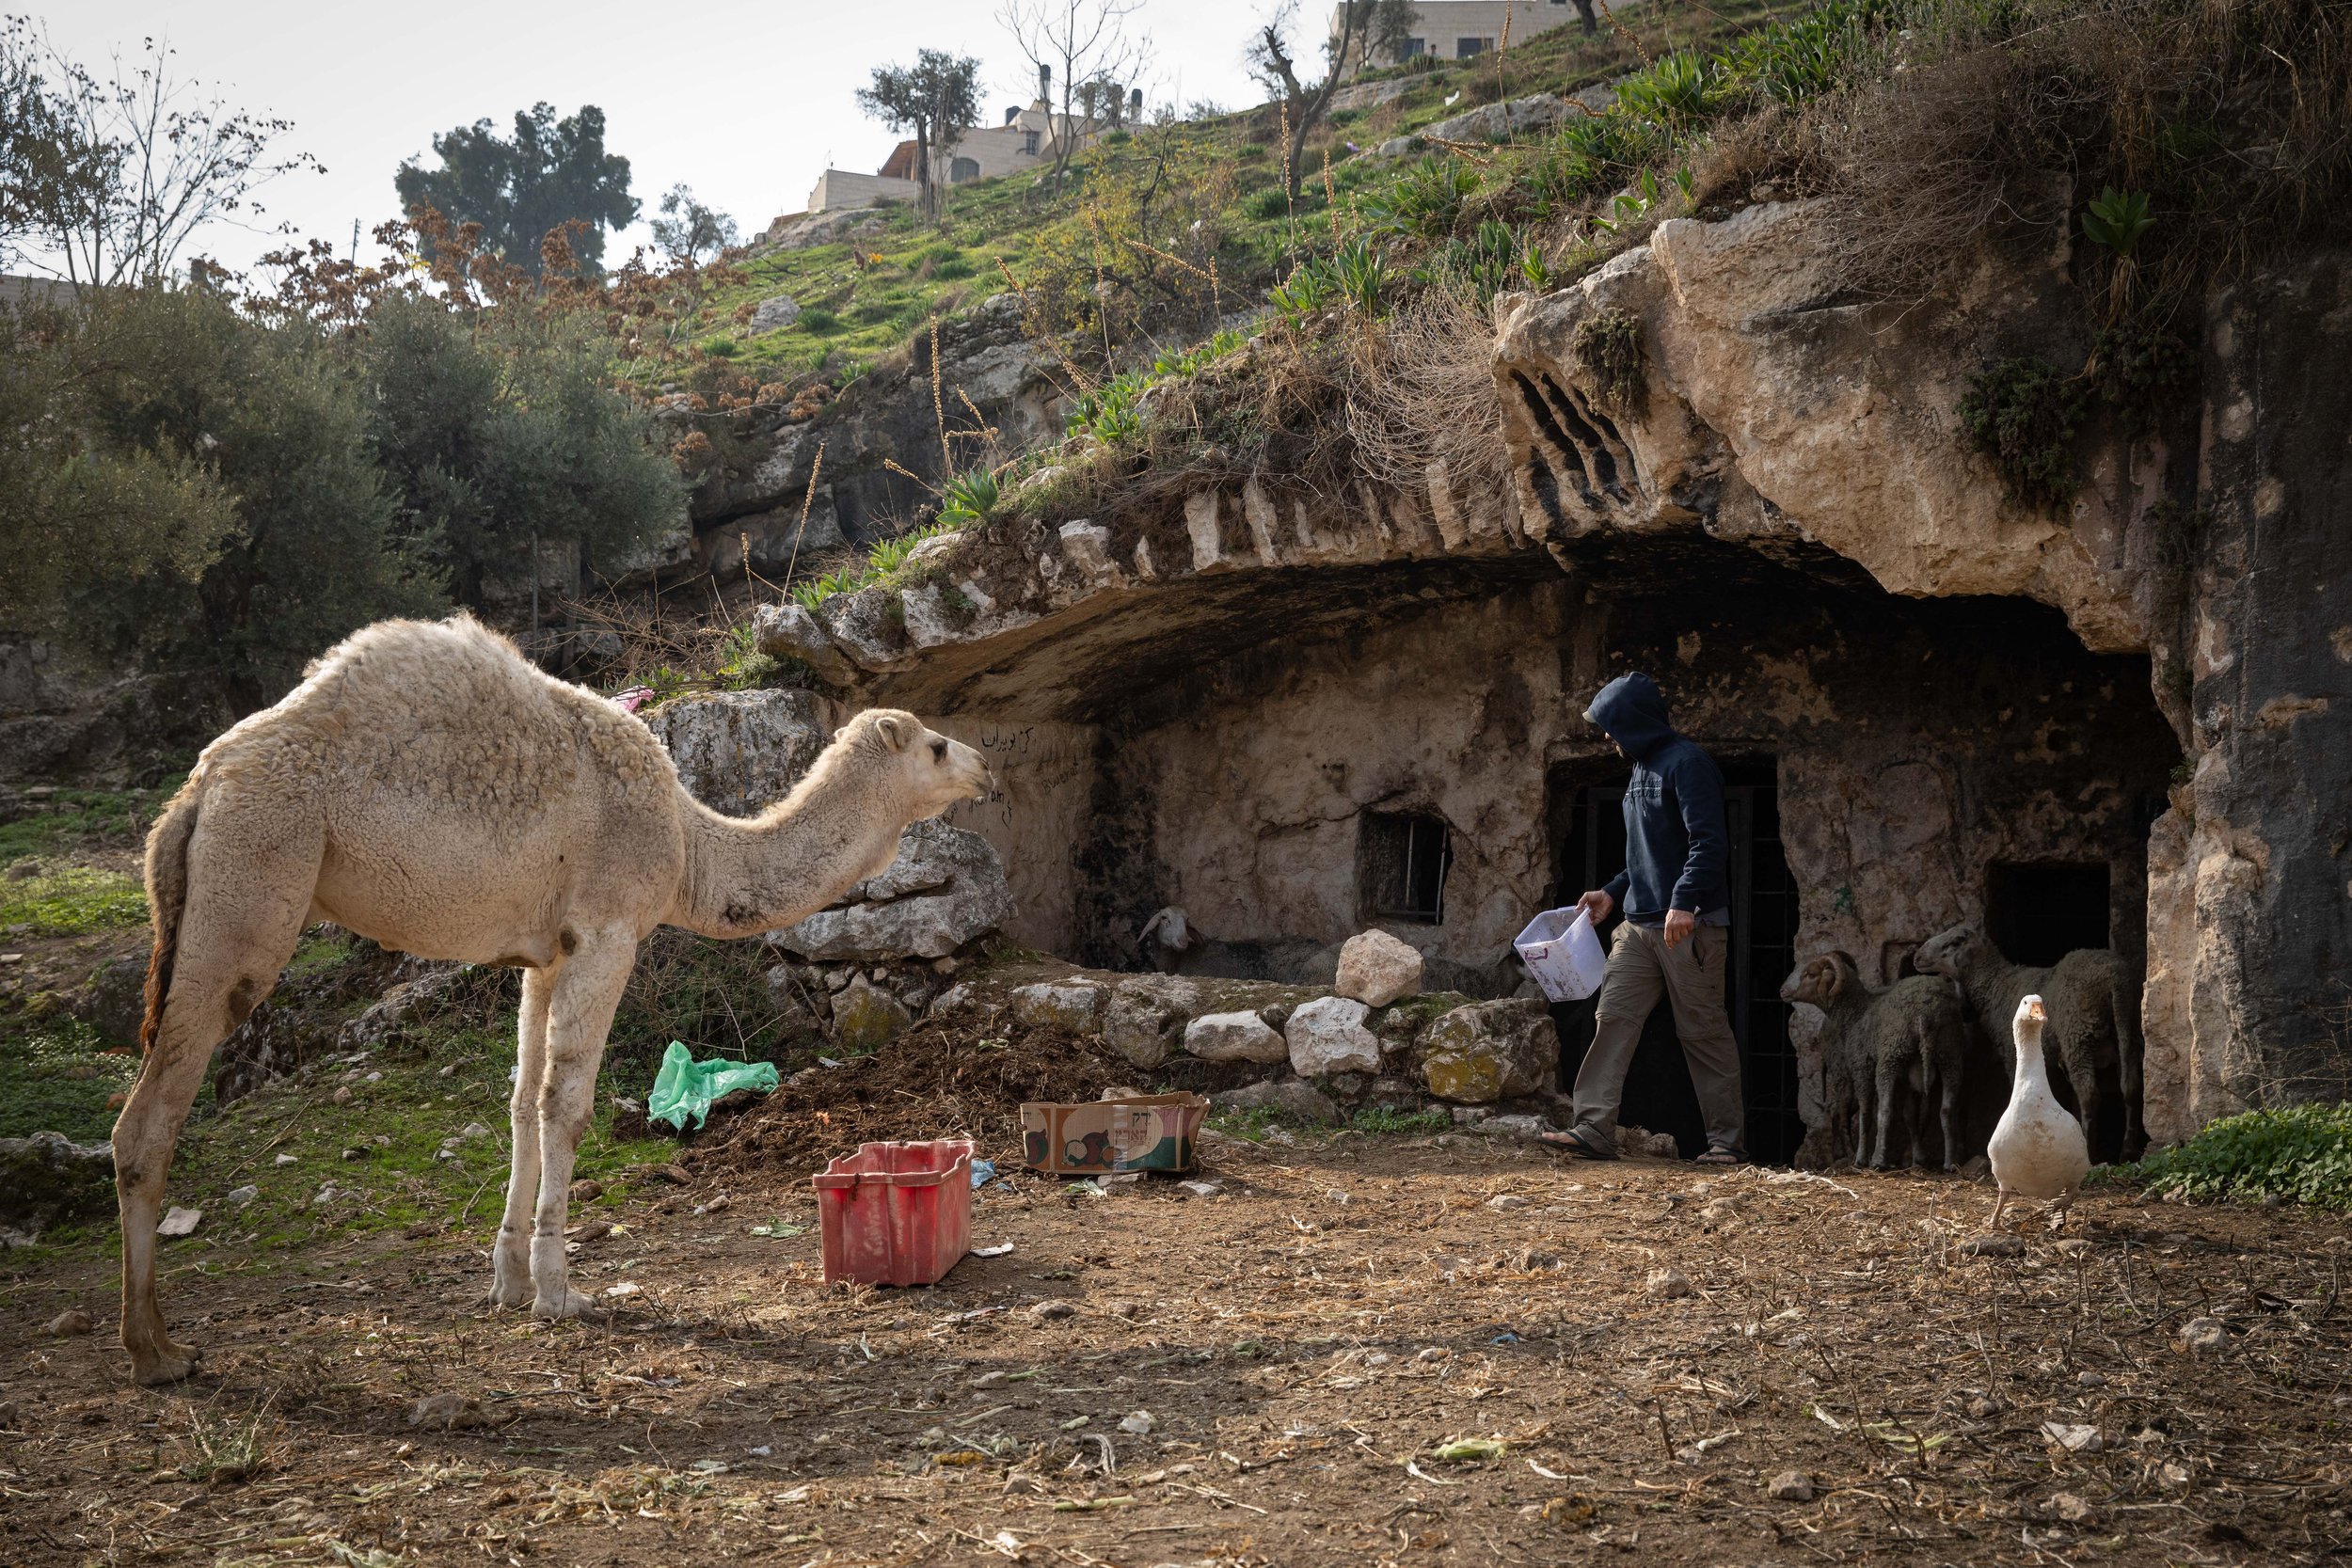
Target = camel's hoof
(510,1293)
(167,1363)
(574,1305)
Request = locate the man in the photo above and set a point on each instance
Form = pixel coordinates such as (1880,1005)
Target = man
(1676,890)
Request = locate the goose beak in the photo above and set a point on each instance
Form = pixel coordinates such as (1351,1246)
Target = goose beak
(2033,1010)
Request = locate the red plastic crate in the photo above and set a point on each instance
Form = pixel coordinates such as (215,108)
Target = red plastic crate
(897,1213)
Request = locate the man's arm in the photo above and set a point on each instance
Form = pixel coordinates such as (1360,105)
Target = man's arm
(1699,791)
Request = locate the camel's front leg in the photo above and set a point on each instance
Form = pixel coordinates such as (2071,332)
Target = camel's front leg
(510,1267)
(580,1013)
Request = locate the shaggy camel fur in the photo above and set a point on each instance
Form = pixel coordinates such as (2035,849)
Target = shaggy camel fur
(426,787)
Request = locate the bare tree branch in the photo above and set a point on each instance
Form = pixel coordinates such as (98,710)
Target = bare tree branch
(1081,49)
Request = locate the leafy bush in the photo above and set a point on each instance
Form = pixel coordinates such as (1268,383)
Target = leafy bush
(2304,1154)
(1109,414)
(2024,413)
(1423,200)
(1312,286)
(2140,368)
(1607,347)
(1676,92)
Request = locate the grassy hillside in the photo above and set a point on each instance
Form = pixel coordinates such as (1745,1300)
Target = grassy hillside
(865,298)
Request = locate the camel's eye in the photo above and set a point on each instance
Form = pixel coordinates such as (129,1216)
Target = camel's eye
(939,751)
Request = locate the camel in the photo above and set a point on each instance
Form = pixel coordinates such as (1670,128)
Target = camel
(427,787)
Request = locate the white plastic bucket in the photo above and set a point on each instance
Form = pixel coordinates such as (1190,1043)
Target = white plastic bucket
(1562,951)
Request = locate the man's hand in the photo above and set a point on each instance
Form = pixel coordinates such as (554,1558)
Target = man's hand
(1680,923)
(1599,903)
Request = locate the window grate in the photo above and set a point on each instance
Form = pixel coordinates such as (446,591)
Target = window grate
(1401,862)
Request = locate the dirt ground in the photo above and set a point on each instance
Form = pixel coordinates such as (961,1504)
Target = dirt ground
(1272,1374)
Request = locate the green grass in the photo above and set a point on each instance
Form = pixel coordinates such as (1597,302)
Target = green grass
(398,1181)
(56,1076)
(63,900)
(79,819)
(2303,1154)
(1387,1118)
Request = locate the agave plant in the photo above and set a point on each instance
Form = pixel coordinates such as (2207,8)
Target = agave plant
(1423,200)
(1363,274)
(1312,285)
(970,497)
(1676,91)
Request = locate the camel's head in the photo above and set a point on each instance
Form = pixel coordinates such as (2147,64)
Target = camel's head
(936,771)
(1820,981)
(1946,953)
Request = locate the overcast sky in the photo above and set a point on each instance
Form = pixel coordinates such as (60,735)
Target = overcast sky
(744,102)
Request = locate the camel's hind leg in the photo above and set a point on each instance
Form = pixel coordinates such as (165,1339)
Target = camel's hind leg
(510,1269)
(243,917)
(580,1013)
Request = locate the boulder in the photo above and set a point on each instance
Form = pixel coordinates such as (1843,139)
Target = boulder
(790,631)
(1300,1101)
(1489,1050)
(1146,1021)
(775,311)
(115,1002)
(867,1018)
(1234,1038)
(946,887)
(1076,1008)
(48,1178)
(389,1015)
(740,751)
(1378,969)
(1327,1035)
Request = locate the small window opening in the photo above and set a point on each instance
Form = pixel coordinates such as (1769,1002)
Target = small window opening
(2037,913)
(1401,862)
(1469,49)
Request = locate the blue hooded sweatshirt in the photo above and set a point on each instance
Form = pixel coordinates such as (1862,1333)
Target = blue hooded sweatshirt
(1677,848)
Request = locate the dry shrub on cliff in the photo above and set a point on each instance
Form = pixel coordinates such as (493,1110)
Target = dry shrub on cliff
(2235,115)
(1429,397)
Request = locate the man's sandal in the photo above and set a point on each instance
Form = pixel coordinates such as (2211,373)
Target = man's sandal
(1721,1156)
(1575,1143)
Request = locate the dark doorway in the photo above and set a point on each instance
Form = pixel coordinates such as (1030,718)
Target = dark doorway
(2038,912)
(1587,825)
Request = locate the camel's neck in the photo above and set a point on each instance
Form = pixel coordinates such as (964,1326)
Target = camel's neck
(744,876)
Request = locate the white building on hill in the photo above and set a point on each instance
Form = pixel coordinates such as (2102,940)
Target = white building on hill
(1465,29)
(1027,140)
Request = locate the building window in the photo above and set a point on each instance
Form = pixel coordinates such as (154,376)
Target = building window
(1401,864)
(962,170)
(1028,143)
(1413,49)
(1469,49)
(2037,913)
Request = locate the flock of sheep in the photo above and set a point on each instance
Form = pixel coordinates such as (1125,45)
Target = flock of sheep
(1895,1061)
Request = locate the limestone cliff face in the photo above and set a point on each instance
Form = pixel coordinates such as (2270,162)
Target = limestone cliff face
(1773,410)
(1782,517)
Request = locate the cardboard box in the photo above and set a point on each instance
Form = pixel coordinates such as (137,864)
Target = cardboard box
(1102,1136)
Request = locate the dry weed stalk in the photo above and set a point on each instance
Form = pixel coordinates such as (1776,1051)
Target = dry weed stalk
(1431,399)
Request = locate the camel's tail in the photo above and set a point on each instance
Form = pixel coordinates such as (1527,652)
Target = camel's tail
(167,897)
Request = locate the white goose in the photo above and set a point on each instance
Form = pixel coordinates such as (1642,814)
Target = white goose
(2038,1150)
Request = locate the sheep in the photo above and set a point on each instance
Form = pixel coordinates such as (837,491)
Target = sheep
(1896,1052)
(1176,946)
(2094,1005)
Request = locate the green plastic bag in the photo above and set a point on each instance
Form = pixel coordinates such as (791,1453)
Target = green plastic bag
(685,1087)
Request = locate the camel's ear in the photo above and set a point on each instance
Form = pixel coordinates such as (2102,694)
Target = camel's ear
(898,731)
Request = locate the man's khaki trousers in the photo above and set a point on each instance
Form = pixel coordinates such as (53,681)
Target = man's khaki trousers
(1692,977)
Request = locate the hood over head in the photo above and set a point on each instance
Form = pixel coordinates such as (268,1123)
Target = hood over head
(1633,711)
